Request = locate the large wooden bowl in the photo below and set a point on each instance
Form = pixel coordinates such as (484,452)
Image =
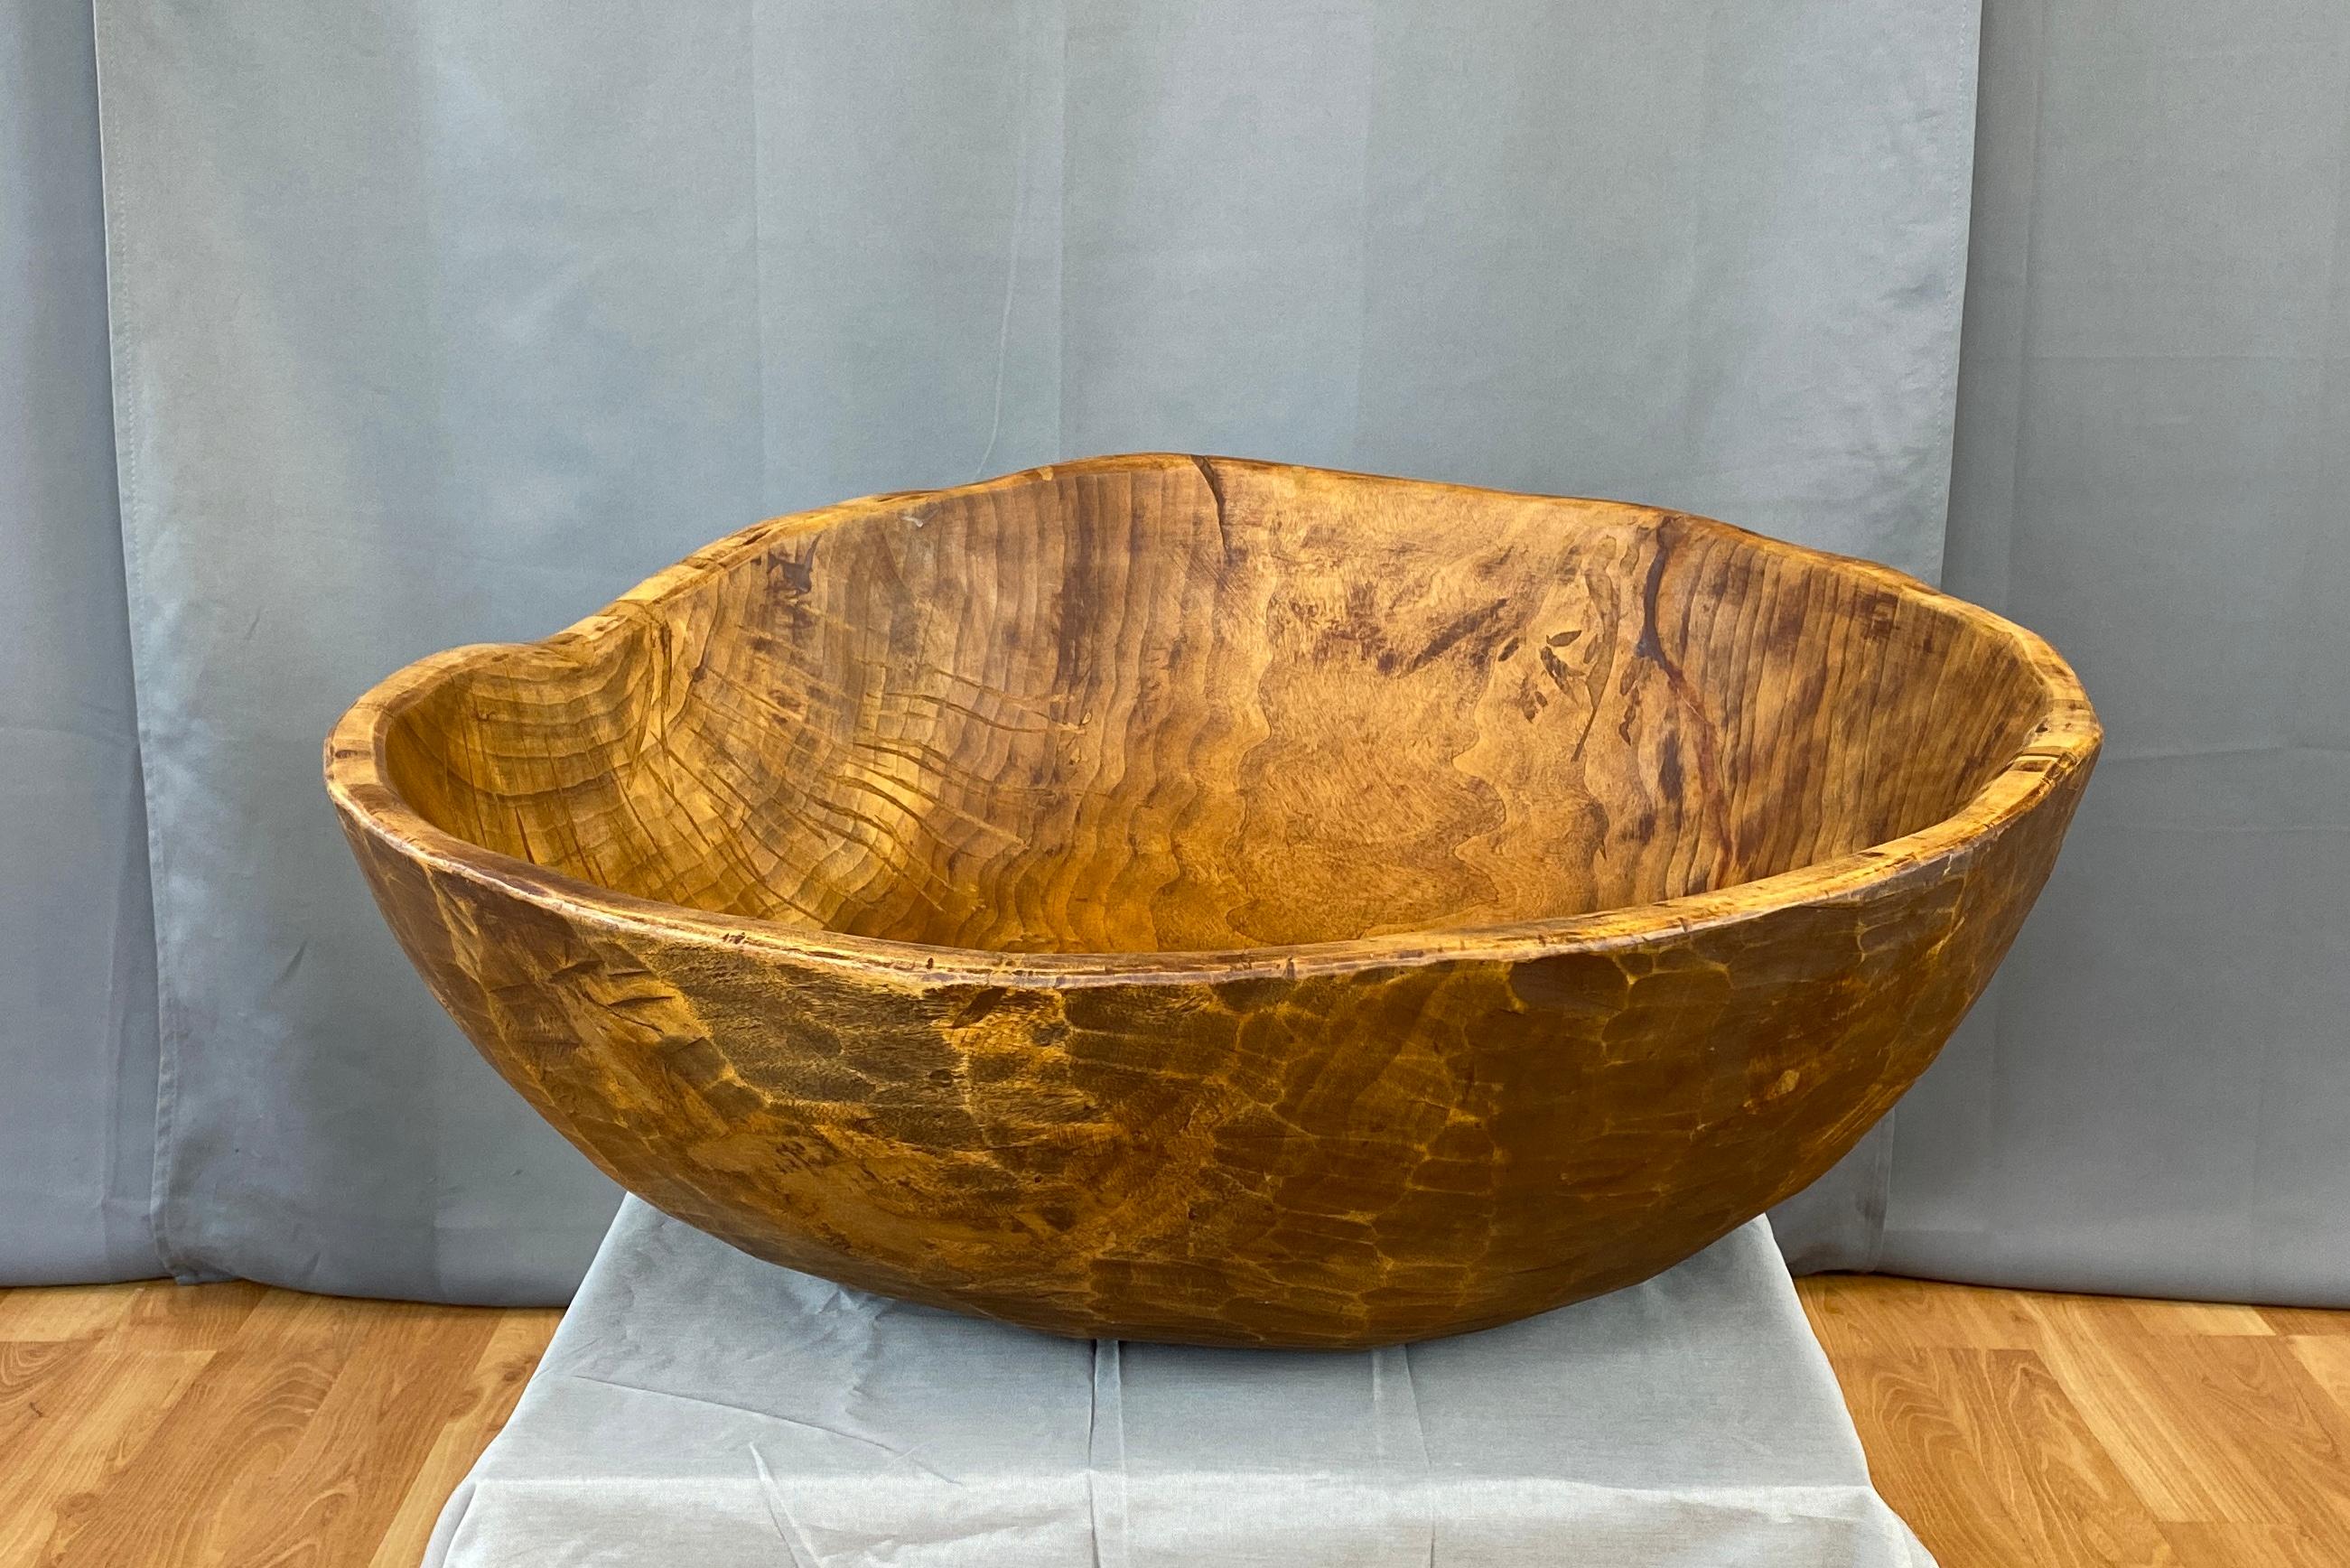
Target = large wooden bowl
(1190,900)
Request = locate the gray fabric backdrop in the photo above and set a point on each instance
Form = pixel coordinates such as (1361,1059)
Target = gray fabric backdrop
(76,941)
(2154,470)
(439,323)
(434,323)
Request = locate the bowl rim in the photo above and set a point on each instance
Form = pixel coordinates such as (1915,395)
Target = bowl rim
(2066,740)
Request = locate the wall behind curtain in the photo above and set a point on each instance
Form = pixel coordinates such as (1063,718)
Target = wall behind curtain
(77,945)
(2154,470)
(437,323)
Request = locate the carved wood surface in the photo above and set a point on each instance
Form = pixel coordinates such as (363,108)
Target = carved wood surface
(1206,900)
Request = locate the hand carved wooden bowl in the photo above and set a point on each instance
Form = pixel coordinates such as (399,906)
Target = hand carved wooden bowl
(1189,899)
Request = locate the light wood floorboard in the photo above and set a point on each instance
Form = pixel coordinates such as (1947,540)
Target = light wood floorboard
(227,1426)
(2023,1426)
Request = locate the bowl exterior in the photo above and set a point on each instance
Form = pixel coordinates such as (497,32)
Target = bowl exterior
(1300,1155)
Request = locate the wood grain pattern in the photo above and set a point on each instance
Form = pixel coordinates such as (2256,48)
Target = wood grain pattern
(1959,1427)
(1190,899)
(2013,1426)
(1981,1445)
(231,1426)
(87,1431)
(2133,1392)
(266,1385)
(469,1421)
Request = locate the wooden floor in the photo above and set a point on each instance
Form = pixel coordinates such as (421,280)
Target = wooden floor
(2013,1426)
(153,1427)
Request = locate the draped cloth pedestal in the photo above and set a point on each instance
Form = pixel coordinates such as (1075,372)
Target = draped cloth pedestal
(700,1407)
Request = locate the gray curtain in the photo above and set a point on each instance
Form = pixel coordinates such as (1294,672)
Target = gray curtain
(434,323)
(77,943)
(2154,470)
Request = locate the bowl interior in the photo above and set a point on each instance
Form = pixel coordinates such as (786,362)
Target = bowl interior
(1163,705)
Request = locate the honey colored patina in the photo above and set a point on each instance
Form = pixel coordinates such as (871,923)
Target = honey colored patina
(1190,899)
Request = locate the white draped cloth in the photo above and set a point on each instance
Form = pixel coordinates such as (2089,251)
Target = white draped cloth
(702,1409)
